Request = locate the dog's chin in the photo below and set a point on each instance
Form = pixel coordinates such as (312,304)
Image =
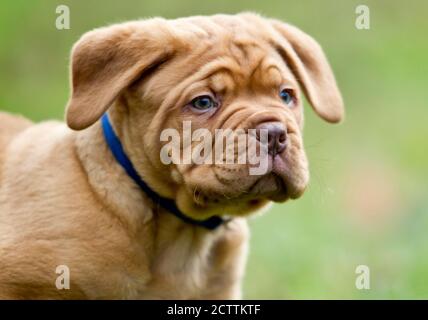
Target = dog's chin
(271,187)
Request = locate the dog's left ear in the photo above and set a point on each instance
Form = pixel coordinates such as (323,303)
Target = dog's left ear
(107,60)
(312,70)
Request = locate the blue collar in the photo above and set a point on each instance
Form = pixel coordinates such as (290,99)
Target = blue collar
(116,148)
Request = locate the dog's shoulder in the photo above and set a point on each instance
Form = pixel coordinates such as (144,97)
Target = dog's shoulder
(43,141)
(10,126)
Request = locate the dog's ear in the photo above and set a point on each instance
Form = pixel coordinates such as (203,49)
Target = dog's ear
(107,60)
(312,70)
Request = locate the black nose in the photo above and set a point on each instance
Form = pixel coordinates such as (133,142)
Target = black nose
(277,136)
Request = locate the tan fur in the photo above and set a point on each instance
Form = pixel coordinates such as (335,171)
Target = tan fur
(10,127)
(64,200)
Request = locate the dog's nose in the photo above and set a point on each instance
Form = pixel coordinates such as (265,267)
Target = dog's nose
(277,136)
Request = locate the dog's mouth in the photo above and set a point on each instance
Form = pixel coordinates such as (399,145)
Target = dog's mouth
(270,186)
(278,184)
(283,180)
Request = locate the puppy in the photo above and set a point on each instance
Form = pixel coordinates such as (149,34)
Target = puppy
(138,228)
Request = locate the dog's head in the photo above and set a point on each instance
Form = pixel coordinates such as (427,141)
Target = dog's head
(237,72)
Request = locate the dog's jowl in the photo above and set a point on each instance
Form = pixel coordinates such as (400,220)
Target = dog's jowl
(93,194)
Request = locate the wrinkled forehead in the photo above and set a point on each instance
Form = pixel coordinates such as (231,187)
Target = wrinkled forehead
(244,63)
(230,51)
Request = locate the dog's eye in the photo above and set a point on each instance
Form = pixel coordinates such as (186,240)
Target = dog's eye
(287,96)
(203,103)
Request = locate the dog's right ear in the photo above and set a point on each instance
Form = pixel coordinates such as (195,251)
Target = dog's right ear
(107,60)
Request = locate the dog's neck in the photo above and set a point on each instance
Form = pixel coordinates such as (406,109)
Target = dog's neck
(116,148)
(109,183)
(112,183)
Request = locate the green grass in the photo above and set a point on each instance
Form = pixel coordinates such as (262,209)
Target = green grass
(367,202)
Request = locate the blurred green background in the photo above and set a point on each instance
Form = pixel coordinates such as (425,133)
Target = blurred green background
(367,201)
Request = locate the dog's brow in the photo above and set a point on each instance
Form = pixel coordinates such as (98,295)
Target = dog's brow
(257,64)
(272,76)
(222,81)
(221,64)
